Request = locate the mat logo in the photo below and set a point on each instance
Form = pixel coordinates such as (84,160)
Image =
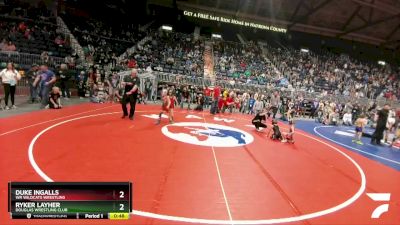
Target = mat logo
(206,134)
(379,197)
(224,120)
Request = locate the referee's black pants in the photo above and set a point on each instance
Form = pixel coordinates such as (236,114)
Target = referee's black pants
(377,136)
(259,124)
(131,99)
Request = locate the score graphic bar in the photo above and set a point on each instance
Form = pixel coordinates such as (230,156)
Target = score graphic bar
(111,216)
(70,200)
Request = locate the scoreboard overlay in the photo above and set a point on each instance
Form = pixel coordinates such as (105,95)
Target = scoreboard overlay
(69,200)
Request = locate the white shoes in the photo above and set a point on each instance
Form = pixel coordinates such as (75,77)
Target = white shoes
(12,107)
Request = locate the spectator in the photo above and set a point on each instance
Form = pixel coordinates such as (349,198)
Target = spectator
(22,27)
(185,97)
(10,47)
(3,45)
(275,99)
(45,80)
(100,95)
(31,77)
(314,108)
(207,96)
(347,119)
(64,76)
(199,102)
(45,58)
(216,97)
(59,41)
(9,77)
(132,63)
(114,60)
(112,84)
(229,103)
(258,106)
(148,87)
(81,83)
(70,61)
(390,127)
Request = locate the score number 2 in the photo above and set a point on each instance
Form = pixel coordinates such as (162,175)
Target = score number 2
(121,195)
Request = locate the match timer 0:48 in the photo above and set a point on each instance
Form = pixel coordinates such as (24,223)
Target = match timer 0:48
(70,200)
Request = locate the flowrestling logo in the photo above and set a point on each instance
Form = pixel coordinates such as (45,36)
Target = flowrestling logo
(206,134)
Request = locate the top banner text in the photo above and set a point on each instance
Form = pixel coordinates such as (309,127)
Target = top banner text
(206,16)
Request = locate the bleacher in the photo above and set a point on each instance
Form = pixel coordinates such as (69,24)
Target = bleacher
(41,36)
(100,39)
(175,53)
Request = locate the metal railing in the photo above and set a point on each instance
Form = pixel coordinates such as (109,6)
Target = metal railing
(252,88)
(27,59)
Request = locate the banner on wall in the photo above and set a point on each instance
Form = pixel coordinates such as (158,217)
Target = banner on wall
(206,16)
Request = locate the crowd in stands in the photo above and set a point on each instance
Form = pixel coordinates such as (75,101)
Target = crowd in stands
(172,53)
(241,63)
(326,73)
(29,34)
(103,42)
(336,74)
(18,34)
(182,54)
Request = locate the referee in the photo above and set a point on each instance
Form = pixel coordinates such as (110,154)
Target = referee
(131,84)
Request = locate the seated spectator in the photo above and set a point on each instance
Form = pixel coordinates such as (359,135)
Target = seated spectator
(132,63)
(59,41)
(10,47)
(333,117)
(22,27)
(396,141)
(319,116)
(347,119)
(3,44)
(170,60)
(28,35)
(100,96)
(199,102)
